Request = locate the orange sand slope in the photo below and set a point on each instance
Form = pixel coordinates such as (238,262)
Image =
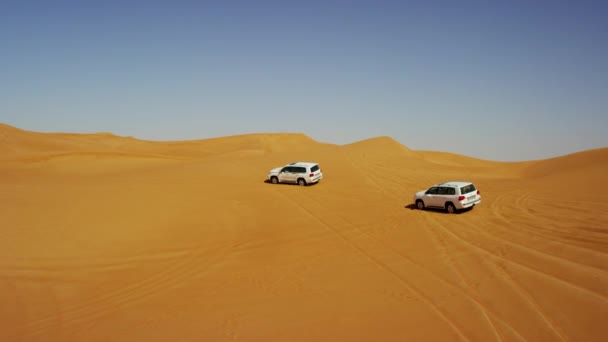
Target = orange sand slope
(108,238)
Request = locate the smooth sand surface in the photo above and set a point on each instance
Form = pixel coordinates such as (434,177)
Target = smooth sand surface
(107,238)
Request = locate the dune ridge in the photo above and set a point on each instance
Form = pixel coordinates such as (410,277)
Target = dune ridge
(104,237)
(15,142)
(585,160)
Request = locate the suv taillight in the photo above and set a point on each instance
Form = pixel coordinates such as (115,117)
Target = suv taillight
(478,192)
(311,175)
(461,198)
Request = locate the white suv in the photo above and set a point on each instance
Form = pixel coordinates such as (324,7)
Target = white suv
(452,196)
(301,173)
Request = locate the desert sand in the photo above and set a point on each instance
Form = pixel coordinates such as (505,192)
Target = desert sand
(110,238)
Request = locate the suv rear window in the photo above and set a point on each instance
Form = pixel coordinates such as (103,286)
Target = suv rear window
(314,168)
(466,189)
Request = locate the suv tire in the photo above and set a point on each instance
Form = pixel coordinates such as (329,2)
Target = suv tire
(301,182)
(274,180)
(450,208)
(420,204)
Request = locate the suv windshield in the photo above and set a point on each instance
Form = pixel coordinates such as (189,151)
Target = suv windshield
(466,189)
(314,168)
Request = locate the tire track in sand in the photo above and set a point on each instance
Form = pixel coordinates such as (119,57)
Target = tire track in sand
(107,302)
(486,311)
(57,268)
(516,286)
(518,204)
(546,257)
(371,180)
(378,263)
(450,261)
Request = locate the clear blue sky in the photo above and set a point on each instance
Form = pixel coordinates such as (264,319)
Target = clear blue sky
(500,80)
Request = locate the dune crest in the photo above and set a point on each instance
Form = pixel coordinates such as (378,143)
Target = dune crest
(595,159)
(6,128)
(380,148)
(15,142)
(380,142)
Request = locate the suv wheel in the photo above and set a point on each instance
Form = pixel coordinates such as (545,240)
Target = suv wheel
(301,182)
(450,208)
(274,180)
(420,204)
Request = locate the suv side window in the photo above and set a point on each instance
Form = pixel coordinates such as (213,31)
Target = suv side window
(451,191)
(432,191)
(442,190)
(301,170)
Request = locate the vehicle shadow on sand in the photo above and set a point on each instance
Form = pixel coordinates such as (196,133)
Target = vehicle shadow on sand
(292,184)
(412,206)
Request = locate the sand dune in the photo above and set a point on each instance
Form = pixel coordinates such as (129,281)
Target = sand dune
(109,238)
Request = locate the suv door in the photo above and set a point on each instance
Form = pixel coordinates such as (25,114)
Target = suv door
(442,196)
(430,197)
(300,173)
(285,176)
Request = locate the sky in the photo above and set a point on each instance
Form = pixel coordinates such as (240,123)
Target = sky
(499,80)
